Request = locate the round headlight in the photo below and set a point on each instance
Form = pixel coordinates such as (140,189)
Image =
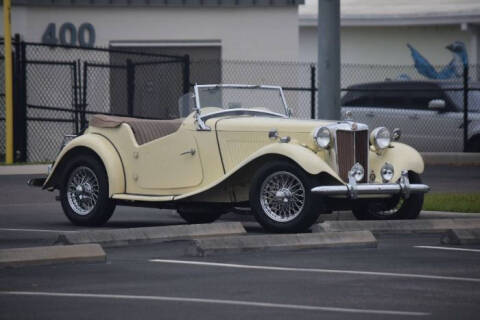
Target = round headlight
(380,138)
(387,172)
(322,137)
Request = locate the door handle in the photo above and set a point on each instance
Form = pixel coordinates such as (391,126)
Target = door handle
(190,152)
(413,117)
(370,114)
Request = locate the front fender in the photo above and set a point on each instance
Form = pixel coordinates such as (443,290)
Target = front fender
(401,156)
(104,149)
(304,157)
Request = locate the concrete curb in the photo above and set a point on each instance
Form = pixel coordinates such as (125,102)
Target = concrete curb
(401,226)
(203,247)
(451,158)
(50,255)
(461,236)
(348,215)
(24,169)
(122,237)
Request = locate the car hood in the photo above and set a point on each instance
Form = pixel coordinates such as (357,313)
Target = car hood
(265,124)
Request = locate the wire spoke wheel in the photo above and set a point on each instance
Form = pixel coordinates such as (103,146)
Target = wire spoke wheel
(82,190)
(282,196)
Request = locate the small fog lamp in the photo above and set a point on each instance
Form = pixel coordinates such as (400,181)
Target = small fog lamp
(387,172)
(357,172)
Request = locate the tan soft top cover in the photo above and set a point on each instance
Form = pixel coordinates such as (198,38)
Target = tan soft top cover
(145,130)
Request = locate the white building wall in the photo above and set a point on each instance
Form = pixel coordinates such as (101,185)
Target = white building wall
(387,45)
(249,33)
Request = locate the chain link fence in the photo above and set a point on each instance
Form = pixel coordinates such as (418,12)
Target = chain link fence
(429,112)
(58,88)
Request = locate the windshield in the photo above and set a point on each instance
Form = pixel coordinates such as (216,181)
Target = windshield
(228,97)
(473,100)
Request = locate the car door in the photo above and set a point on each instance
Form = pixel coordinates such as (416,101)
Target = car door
(359,100)
(433,130)
(168,163)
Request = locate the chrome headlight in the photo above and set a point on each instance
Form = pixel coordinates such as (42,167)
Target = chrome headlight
(380,138)
(322,137)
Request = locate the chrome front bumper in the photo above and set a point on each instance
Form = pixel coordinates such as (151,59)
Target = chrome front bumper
(353,190)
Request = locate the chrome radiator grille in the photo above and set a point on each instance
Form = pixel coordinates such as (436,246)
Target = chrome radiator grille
(352,147)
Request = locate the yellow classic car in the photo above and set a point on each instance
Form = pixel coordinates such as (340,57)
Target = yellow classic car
(237,148)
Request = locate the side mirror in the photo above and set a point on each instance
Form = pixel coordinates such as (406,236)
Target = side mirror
(436,104)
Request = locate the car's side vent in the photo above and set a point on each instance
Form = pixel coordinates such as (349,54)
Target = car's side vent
(352,147)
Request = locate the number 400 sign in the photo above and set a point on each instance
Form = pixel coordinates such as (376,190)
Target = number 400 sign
(69,35)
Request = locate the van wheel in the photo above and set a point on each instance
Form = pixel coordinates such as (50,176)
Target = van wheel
(280,198)
(393,209)
(84,192)
(474,144)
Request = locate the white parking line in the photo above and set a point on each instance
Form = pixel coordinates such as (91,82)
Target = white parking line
(36,230)
(447,248)
(355,272)
(215,301)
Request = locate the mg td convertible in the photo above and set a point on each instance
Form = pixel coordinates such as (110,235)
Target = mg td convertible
(237,149)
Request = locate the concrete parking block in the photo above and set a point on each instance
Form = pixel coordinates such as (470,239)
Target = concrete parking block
(24,169)
(402,226)
(203,247)
(52,254)
(122,237)
(461,236)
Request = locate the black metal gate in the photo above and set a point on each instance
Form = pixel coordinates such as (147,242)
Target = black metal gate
(51,107)
(57,88)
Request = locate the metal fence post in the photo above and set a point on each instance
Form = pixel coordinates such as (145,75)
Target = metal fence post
(186,73)
(84,87)
(130,86)
(76,105)
(20,102)
(465,107)
(312,91)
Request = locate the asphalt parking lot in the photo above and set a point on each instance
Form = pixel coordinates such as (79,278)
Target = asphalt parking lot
(407,276)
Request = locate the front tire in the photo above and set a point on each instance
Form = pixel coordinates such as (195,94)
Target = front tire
(280,198)
(395,209)
(84,192)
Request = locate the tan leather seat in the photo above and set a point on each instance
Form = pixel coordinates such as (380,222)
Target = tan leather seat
(145,130)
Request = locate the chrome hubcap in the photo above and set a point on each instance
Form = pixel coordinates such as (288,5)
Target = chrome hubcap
(82,190)
(282,196)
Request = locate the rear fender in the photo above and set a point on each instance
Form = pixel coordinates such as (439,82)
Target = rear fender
(101,147)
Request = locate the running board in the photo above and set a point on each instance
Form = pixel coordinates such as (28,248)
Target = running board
(141,197)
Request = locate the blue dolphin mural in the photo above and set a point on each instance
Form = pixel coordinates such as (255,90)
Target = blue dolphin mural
(454,69)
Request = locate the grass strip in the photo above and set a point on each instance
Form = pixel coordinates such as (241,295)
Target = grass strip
(455,202)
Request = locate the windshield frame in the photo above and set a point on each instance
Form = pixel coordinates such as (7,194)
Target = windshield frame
(198,106)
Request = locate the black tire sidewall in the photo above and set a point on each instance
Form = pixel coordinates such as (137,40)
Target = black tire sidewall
(410,209)
(104,207)
(307,216)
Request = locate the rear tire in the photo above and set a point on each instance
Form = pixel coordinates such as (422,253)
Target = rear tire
(280,198)
(400,208)
(84,192)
